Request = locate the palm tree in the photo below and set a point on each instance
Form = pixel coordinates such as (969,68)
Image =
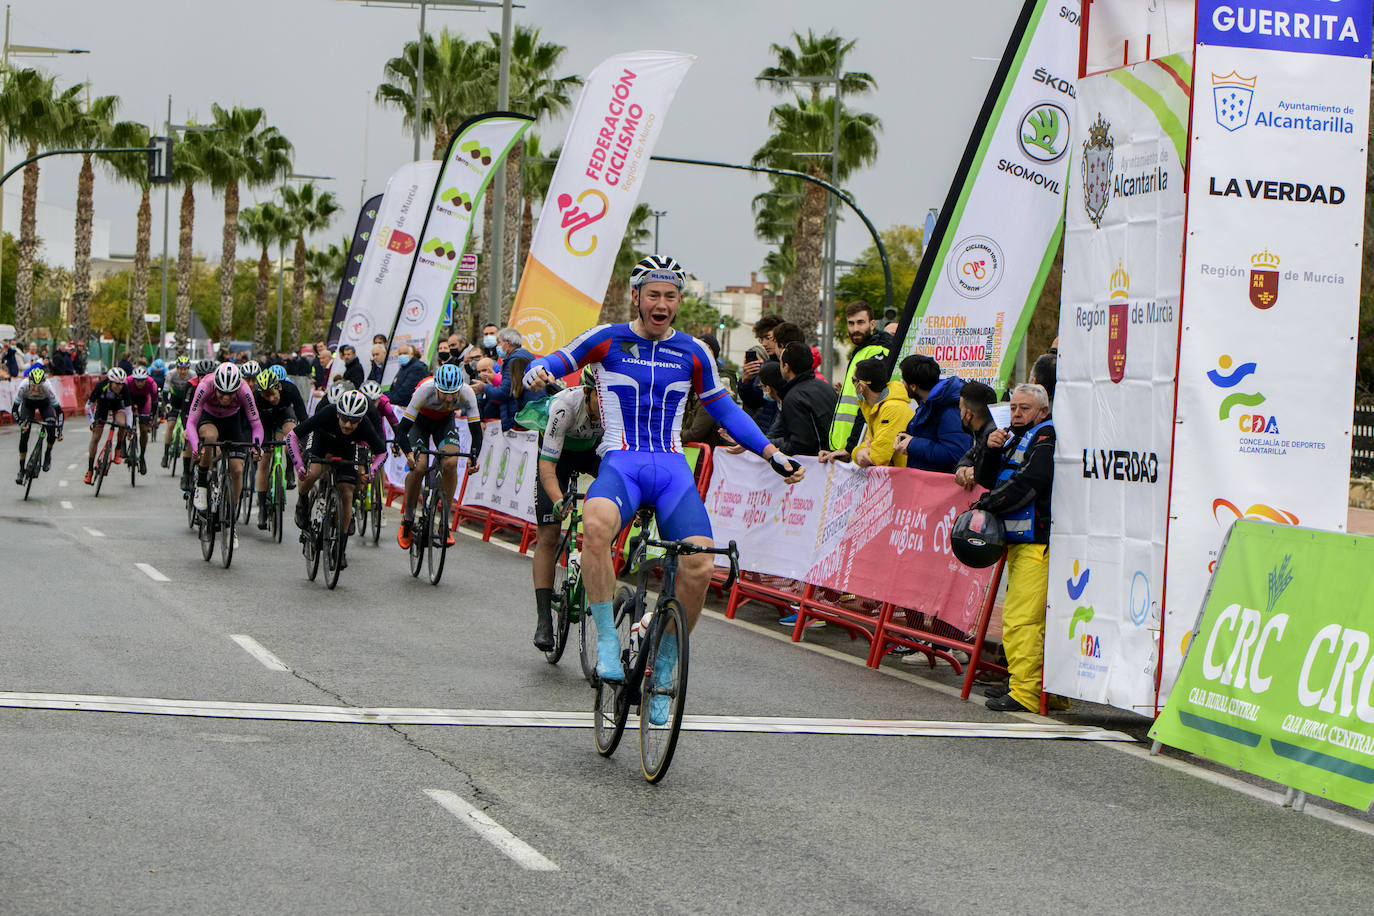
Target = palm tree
(243,151)
(133,169)
(32,116)
(805,125)
(810,63)
(534,90)
(88,124)
(264,225)
(616,306)
(309,210)
(188,168)
(459,77)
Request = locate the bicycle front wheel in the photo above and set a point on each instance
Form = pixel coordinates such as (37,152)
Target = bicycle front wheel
(377,494)
(31,467)
(334,537)
(229,517)
(663,690)
(562,600)
(437,516)
(310,545)
(276,517)
(419,526)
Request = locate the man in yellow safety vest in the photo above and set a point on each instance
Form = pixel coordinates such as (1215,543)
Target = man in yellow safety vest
(847,429)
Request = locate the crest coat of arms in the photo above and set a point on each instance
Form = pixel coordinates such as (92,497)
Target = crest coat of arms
(1097,170)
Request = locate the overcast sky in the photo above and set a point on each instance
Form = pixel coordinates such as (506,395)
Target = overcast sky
(315,64)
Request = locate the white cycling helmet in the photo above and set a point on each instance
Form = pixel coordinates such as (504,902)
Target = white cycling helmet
(658,268)
(250,369)
(352,404)
(140,372)
(337,390)
(117,375)
(371,389)
(228,378)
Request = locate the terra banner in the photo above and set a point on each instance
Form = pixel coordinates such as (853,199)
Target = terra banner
(618,120)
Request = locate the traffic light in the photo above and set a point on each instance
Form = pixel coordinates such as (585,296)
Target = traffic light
(160,160)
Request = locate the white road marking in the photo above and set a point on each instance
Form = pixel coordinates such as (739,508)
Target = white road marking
(521,718)
(71,467)
(255,649)
(66,504)
(93,533)
(152,573)
(62,483)
(514,848)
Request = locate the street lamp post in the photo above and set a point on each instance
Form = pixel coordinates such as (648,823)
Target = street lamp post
(657,214)
(18,50)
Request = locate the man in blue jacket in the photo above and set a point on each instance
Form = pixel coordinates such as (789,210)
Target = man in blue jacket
(511,395)
(935,438)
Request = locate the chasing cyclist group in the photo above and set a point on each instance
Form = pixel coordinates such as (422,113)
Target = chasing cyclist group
(621,424)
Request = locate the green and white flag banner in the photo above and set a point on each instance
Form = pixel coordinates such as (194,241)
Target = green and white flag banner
(1001,223)
(478,146)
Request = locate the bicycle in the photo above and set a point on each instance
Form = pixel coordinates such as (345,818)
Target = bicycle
(640,642)
(220,516)
(569,604)
(367,501)
(326,536)
(430,530)
(130,453)
(34,464)
(173,445)
(246,488)
(106,456)
(276,489)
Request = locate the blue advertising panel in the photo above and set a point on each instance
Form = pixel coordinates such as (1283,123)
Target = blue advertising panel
(1340,27)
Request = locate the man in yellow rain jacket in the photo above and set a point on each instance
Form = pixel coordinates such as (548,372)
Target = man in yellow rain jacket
(886,410)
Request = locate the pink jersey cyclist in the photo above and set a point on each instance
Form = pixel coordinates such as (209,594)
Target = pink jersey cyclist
(206,408)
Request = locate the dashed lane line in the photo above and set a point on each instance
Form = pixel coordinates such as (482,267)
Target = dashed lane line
(149,571)
(92,532)
(510,845)
(258,651)
(66,504)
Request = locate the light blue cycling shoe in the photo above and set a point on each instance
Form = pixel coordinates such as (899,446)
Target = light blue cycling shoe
(661,704)
(608,666)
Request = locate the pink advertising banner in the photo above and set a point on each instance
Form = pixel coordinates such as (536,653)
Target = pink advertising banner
(880,533)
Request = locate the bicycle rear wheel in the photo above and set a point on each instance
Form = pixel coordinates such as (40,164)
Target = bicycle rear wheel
(609,714)
(437,515)
(131,457)
(333,539)
(229,518)
(245,505)
(663,690)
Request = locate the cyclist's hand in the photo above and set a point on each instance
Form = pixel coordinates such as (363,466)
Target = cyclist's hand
(396,451)
(788,468)
(537,378)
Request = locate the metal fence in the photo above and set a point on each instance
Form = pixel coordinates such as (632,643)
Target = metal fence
(1362,441)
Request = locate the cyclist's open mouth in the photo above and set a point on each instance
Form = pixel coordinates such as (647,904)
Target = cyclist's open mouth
(660,318)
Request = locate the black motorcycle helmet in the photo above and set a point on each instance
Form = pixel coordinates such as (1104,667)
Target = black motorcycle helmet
(977,538)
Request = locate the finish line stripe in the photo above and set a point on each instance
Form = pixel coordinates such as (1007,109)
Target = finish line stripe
(395,715)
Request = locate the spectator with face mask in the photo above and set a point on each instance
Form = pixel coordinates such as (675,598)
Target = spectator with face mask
(489,333)
(509,395)
(412,370)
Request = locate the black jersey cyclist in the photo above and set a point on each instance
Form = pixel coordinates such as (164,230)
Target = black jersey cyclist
(109,395)
(278,413)
(36,396)
(335,431)
(567,448)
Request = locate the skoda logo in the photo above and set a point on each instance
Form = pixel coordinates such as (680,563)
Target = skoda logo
(1044,132)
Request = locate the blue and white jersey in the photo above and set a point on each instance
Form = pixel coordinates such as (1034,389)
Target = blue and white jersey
(642,387)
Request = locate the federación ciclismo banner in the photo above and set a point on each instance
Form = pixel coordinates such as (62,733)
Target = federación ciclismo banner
(875,532)
(1279,678)
(617,122)
(1271,282)
(1113,406)
(387,258)
(362,233)
(478,146)
(1000,226)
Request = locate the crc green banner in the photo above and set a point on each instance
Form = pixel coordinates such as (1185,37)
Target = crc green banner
(1278,679)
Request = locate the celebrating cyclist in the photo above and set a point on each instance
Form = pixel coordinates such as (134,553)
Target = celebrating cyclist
(109,395)
(431,416)
(277,411)
(646,370)
(143,392)
(567,448)
(335,431)
(218,410)
(36,396)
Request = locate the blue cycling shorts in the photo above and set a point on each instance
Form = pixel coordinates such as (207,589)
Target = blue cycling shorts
(662,480)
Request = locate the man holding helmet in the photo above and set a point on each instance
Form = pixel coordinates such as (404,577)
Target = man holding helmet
(1017,468)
